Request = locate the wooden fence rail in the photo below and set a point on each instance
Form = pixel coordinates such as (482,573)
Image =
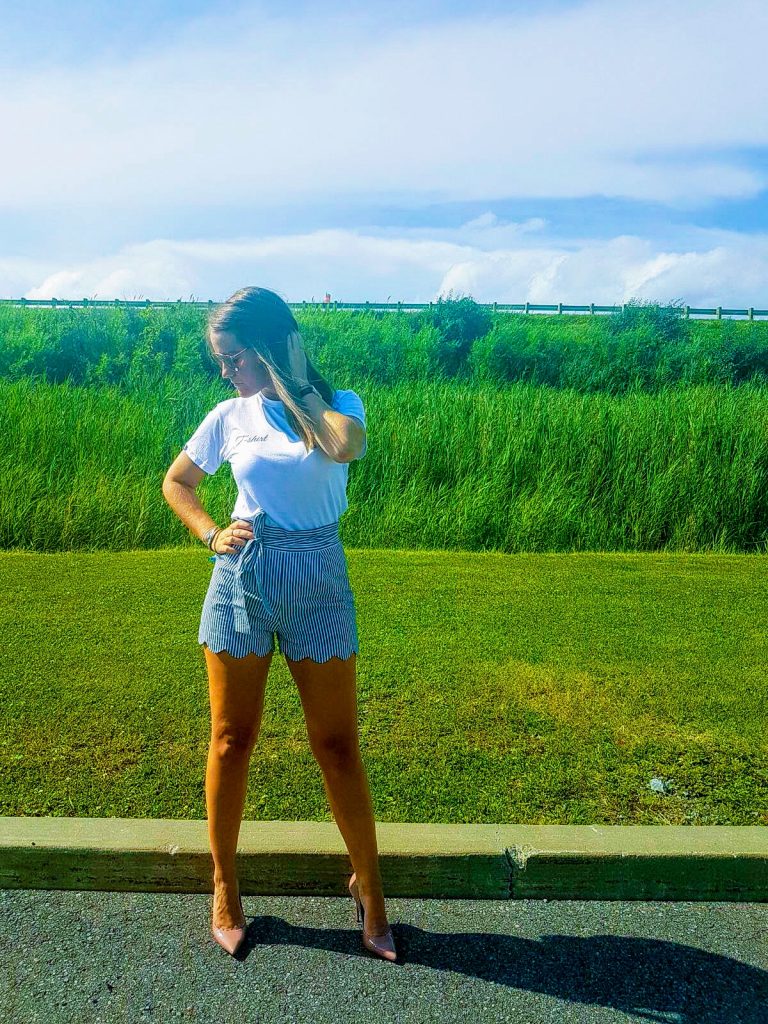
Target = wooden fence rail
(498,307)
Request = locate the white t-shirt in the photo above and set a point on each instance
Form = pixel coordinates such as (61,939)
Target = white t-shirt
(299,490)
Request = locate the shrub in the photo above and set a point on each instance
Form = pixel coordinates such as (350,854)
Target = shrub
(665,322)
(459,323)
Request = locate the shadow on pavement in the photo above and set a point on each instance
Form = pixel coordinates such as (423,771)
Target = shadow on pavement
(652,979)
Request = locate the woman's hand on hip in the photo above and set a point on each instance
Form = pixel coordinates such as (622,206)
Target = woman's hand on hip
(233,537)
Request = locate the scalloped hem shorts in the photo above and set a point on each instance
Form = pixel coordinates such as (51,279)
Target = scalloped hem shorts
(293,583)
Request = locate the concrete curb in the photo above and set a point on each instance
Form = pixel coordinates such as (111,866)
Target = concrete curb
(574,862)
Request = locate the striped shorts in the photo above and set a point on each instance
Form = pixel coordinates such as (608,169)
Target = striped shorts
(290,582)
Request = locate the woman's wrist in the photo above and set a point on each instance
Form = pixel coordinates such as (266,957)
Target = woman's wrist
(209,537)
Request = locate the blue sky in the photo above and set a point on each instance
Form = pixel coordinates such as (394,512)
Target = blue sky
(573,152)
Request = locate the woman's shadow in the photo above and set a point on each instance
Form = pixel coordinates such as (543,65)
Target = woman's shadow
(650,978)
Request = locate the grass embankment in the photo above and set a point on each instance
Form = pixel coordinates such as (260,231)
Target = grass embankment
(448,466)
(520,688)
(496,682)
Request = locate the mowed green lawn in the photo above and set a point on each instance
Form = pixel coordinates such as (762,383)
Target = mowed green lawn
(540,688)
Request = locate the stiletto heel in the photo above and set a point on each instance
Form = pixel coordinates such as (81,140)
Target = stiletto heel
(382,945)
(231,938)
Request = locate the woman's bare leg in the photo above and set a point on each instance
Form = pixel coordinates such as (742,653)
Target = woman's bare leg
(236,689)
(328,696)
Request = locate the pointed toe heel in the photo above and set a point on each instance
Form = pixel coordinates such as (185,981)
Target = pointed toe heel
(382,945)
(231,939)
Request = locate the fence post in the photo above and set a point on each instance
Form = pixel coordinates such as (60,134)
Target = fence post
(751,313)
(526,307)
(719,312)
(494,308)
(687,312)
(559,307)
(592,307)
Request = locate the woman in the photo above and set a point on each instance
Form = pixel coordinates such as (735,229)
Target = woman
(278,567)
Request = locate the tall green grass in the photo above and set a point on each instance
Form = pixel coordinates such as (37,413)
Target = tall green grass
(449,466)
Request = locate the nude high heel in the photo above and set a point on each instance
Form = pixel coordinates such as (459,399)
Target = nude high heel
(231,938)
(382,945)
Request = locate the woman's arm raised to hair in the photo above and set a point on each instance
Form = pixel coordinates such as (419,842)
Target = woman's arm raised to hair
(338,435)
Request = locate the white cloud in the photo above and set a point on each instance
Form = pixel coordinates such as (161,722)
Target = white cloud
(596,99)
(731,274)
(726,269)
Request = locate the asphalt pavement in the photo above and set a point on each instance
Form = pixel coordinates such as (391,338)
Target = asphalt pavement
(72,956)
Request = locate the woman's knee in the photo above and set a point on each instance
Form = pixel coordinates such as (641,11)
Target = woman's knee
(237,687)
(334,751)
(230,742)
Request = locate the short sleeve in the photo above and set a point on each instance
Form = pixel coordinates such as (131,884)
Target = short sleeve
(205,446)
(351,404)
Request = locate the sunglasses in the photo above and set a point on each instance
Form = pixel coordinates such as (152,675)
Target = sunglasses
(232,361)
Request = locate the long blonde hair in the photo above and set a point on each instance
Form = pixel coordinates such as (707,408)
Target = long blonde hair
(260,319)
